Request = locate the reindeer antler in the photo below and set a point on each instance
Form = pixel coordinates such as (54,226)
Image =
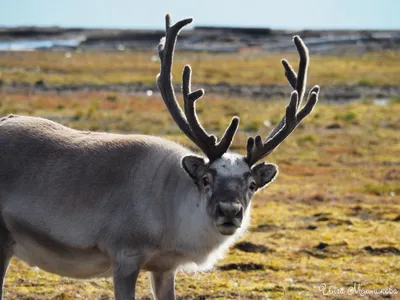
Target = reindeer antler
(188,121)
(256,149)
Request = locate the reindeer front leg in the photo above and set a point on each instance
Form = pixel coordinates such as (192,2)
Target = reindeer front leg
(163,285)
(126,270)
(5,255)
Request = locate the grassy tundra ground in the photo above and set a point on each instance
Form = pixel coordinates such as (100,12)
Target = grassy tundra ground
(333,215)
(125,67)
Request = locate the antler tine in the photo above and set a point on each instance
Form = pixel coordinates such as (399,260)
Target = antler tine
(257,150)
(206,142)
(166,50)
(187,120)
(303,67)
(227,138)
(298,81)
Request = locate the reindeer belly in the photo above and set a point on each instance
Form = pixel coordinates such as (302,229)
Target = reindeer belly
(53,242)
(57,253)
(67,262)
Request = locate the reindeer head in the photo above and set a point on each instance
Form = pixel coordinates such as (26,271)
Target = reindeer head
(228,184)
(228,181)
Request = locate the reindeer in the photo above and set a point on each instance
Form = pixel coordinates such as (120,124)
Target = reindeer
(87,204)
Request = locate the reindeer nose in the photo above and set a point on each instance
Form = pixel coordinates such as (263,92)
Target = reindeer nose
(230,210)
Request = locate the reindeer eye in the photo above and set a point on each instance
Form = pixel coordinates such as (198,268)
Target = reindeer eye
(206,181)
(252,186)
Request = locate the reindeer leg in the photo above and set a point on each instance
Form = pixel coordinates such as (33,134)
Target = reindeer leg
(163,285)
(126,271)
(5,255)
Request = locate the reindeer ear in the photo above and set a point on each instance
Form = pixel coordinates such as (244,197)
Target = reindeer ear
(264,174)
(193,165)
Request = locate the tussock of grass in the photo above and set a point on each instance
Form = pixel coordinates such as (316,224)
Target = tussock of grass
(395,100)
(383,189)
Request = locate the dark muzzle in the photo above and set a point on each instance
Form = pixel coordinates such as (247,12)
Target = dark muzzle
(230,212)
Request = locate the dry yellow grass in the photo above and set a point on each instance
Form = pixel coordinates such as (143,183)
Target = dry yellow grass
(115,67)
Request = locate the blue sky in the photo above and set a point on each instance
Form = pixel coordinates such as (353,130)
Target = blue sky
(285,14)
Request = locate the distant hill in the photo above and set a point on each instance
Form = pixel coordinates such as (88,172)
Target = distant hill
(213,39)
